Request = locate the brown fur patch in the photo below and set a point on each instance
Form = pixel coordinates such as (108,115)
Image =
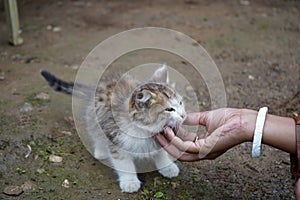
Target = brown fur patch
(160,94)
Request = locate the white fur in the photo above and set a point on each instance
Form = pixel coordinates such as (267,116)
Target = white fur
(135,140)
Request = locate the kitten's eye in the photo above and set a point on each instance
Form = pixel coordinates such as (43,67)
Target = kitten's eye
(140,95)
(170,109)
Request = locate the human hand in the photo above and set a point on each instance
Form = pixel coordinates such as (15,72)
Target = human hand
(225,129)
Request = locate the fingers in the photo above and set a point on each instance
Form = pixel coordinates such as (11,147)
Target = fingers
(198,118)
(185,135)
(161,140)
(188,157)
(206,148)
(174,151)
(187,146)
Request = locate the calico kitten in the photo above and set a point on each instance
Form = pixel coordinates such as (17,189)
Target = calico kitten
(123,118)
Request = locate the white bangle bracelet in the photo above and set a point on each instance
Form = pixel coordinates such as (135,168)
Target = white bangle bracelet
(260,121)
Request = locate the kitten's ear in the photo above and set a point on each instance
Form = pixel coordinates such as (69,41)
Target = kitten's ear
(160,75)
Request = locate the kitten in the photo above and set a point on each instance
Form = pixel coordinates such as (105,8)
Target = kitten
(129,113)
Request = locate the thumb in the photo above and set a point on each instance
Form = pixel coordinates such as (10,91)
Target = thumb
(199,118)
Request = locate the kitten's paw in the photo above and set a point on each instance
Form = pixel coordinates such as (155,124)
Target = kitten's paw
(130,186)
(170,171)
(101,155)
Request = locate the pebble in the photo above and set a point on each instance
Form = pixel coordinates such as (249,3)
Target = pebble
(28,186)
(174,185)
(27,107)
(53,28)
(32,60)
(66,132)
(49,27)
(40,171)
(75,66)
(3,53)
(244,3)
(274,191)
(43,96)
(66,183)
(13,190)
(2,76)
(56,29)
(29,151)
(190,92)
(55,159)
(250,77)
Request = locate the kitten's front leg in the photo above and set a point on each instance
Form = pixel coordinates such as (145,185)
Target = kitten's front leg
(126,171)
(165,165)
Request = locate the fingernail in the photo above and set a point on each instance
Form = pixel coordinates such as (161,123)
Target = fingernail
(166,130)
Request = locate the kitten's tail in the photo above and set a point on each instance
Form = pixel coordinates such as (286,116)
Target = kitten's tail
(65,87)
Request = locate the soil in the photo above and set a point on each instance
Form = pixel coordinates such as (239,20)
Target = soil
(255,45)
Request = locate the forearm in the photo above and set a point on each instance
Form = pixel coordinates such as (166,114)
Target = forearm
(278,132)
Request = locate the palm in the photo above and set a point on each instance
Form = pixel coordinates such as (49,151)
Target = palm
(222,125)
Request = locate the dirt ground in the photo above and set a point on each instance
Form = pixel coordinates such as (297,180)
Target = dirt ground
(255,44)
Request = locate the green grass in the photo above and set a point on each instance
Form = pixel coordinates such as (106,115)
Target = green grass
(35,101)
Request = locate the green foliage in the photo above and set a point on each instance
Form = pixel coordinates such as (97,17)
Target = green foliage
(20,170)
(60,142)
(153,195)
(35,101)
(202,103)
(47,152)
(185,195)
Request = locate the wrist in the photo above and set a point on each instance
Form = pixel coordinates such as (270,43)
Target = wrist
(278,132)
(248,121)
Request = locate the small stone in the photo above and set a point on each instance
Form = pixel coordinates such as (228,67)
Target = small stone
(56,29)
(174,185)
(2,76)
(32,60)
(36,157)
(40,171)
(13,190)
(274,191)
(14,91)
(3,53)
(49,27)
(75,66)
(66,183)
(66,132)
(55,159)
(29,151)
(250,77)
(69,119)
(244,3)
(16,57)
(27,107)
(190,91)
(43,96)
(28,186)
